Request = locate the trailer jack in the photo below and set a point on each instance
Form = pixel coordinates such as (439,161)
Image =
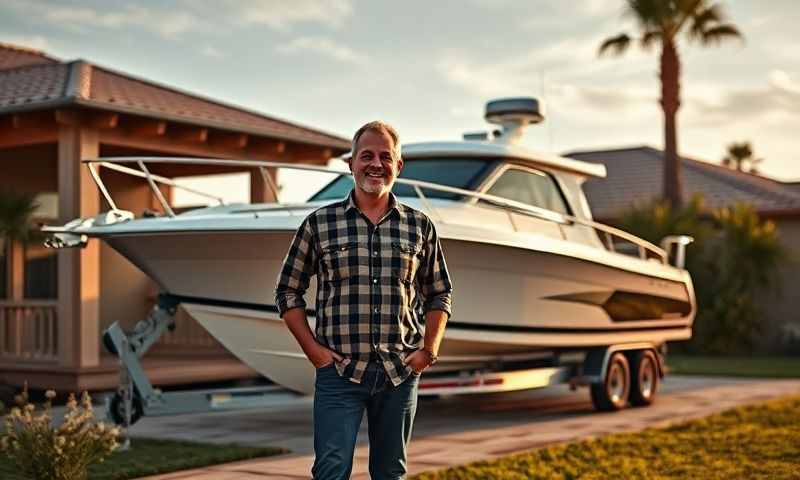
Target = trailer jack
(136,397)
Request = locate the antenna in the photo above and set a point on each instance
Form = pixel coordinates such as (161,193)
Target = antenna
(513,115)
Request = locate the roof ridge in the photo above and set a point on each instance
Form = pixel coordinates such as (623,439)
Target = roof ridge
(31,65)
(79,81)
(729,176)
(24,49)
(605,150)
(740,179)
(204,98)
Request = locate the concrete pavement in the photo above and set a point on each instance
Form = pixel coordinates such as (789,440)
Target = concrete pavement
(457,430)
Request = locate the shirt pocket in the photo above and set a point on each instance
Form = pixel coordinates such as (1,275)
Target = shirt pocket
(339,260)
(406,258)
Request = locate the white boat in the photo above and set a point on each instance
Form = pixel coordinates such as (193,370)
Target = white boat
(533,274)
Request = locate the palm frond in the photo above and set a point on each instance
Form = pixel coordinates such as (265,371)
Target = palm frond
(615,45)
(720,33)
(650,14)
(16,212)
(703,20)
(649,38)
(685,10)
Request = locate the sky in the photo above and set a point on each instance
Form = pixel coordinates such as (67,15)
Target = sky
(429,67)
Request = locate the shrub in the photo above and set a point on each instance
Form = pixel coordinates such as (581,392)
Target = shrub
(735,255)
(41,451)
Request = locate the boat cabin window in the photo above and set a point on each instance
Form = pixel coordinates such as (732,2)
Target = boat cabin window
(530,187)
(451,172)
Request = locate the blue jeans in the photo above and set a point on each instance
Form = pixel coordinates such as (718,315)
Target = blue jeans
(339,405)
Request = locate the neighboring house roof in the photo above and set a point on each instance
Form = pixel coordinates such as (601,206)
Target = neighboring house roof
(30,80)
(635,176)
(13,56)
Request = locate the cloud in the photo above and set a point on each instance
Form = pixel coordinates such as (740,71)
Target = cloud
(779,98)
(36,42)
(187,16)
(166,23)
(211,52)
(282,15)
(324,47)
(570,60)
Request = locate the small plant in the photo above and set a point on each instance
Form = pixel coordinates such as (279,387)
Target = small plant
(41,450)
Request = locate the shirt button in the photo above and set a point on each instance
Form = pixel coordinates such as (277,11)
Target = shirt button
(376,310)
(375,253)
(374,280)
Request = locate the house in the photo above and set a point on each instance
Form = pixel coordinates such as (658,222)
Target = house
(55,304)
(635,176)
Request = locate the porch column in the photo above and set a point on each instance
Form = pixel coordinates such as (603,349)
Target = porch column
(78,269)
(260,192)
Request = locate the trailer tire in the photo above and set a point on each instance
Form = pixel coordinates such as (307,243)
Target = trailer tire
(115,409)
(644,378)
(612,394)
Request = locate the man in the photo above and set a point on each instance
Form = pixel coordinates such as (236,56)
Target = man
(380,268)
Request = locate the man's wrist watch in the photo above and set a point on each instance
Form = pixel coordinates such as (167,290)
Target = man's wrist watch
(432,358)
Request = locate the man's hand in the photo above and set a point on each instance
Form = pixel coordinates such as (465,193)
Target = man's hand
(321,356)
(419,360)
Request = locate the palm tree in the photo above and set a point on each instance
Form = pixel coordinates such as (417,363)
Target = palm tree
(740,157)
(16,216)
(16,221)
(660,22)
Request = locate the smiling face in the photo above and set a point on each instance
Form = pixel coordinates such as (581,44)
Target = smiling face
(373,164)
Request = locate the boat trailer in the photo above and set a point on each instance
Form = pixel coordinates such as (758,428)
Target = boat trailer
(136,397)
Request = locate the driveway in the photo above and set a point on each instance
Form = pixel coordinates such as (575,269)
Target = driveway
(457,430)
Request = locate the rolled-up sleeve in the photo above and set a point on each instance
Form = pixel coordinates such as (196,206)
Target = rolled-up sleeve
(434,282)
(298,267)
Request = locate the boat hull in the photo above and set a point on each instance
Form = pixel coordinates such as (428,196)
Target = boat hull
(508,301)
(260,339)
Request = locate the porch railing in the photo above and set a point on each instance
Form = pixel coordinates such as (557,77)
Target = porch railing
(29,330)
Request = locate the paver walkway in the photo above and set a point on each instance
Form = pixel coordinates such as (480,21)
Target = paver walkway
(458,430)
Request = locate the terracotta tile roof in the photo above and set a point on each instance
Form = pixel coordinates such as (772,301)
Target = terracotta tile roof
(13,56)
(54,84)
(635,176)
(24,87)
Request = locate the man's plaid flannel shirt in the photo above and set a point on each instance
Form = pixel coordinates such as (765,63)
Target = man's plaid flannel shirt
(375,283)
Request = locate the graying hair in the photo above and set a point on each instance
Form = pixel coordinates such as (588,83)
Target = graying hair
(378,126)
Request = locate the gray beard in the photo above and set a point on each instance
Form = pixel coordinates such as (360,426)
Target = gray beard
(366,186)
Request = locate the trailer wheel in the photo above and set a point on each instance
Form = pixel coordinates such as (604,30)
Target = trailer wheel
(644,378)
(117,409)
(612,393)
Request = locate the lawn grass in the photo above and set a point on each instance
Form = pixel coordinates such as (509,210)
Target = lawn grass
(150,456)
(766,367)
(759,442)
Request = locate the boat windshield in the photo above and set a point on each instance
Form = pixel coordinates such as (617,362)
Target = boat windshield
(452,172)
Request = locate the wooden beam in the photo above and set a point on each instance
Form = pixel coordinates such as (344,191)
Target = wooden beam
(69,117)
(228,140)
(6,121)
(103,120)
(32,120)
(260,147)
(165,144)
(78,269)
(145,127)
(17,137)
(188,134)
(260,191)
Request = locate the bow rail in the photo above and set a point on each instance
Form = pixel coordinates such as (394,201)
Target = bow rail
(645,249)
